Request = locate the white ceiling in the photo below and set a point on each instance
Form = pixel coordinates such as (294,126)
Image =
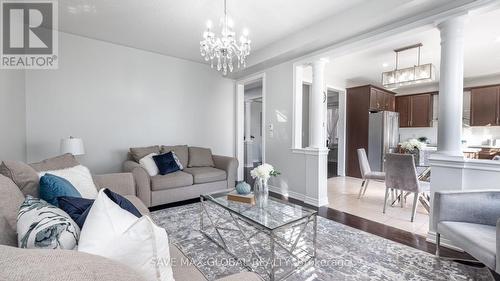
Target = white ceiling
(481,58)
(174,27)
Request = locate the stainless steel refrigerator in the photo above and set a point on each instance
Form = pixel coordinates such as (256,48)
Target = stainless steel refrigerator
(383,137)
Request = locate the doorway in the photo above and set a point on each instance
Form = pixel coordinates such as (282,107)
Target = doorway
(250,125)
(332,131)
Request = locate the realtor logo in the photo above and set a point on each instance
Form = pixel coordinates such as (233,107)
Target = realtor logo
(29,35)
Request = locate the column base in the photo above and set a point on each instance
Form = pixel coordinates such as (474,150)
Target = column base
(316,176)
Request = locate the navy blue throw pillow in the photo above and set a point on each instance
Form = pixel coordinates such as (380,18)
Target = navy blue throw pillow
(79,208)
(76,208)
(52,186)
(166,163)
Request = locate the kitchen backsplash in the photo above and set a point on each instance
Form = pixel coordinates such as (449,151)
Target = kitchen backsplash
(473,135)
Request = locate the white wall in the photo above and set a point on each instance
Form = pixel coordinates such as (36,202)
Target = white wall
(279,113)
(12,115)
(115,97)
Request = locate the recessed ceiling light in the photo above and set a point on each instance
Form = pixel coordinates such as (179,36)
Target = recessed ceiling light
(385,64)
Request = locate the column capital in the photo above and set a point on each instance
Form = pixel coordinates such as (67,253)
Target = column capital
(451,24)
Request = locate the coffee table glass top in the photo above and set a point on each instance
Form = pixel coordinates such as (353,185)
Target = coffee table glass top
(278,213)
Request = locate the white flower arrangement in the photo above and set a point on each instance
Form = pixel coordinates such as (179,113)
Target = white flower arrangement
(264,172)
(412,144)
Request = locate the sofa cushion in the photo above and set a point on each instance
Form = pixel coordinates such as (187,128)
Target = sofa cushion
(200,157)
(56,163)
(180,150)
(140,152)
(206,174)
(23,175)
(173,180)
(8,235)
(10,200)
(49,265)
(479,240)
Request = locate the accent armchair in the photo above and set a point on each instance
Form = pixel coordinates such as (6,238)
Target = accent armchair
(471,221)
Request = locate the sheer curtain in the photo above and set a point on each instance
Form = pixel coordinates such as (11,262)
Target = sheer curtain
(332,125)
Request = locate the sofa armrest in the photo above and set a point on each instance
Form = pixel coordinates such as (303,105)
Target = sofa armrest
(481,207)
(121,183)
(46,265)
(228,164)
(142,181)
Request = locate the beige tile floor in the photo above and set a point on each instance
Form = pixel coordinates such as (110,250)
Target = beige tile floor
(343,196)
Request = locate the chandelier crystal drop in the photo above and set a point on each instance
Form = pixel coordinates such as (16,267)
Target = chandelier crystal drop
(222,51)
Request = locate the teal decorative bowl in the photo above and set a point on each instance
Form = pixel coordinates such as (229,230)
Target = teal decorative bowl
(243,188)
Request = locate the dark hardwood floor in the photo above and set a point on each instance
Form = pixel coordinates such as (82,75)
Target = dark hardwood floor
(382,230)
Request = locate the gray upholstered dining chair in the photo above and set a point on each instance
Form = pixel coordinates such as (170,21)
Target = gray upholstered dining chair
(366,172)
(471,221)
(401,174)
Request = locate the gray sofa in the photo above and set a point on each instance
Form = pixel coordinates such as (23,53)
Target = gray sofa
(181,185)
(62,265)
(471,220)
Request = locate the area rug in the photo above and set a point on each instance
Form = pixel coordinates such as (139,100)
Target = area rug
(343,253)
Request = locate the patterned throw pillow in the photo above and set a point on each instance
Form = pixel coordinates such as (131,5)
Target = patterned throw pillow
(42,225)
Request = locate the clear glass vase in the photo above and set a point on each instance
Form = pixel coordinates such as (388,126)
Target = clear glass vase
(261,192)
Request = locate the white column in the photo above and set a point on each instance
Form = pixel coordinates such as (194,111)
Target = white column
(317,100)
(316,154)
(451,87)
(448,163)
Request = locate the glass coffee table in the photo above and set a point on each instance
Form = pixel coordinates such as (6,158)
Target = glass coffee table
(280,238)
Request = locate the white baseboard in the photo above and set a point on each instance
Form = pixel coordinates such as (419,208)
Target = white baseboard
(298,196)
(431,237)
(291,194)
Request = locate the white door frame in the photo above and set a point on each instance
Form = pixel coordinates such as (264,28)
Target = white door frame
(240,120)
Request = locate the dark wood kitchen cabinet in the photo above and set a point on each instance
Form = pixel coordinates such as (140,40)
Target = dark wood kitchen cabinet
(485,106)
(415,110)
(381,100)
(360,101)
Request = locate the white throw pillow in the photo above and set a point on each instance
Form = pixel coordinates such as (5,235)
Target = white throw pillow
(114,233)
(80,177)
(148,163)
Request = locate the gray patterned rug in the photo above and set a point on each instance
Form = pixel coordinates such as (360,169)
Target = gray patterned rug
(343,253)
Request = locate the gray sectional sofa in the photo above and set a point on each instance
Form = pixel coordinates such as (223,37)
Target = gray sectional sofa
(196,178)
(18,264)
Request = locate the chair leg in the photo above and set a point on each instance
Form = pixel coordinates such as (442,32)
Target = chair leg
(366,186)
(361,189)
(385,199)
(401,198)
(438,242)
(415,202)
(393,197)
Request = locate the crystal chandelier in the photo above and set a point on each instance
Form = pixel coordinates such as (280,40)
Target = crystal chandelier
(225,49)
(410,75)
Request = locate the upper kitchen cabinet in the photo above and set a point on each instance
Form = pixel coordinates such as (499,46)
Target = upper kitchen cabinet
(485,106)
(415,110)
(381,100)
